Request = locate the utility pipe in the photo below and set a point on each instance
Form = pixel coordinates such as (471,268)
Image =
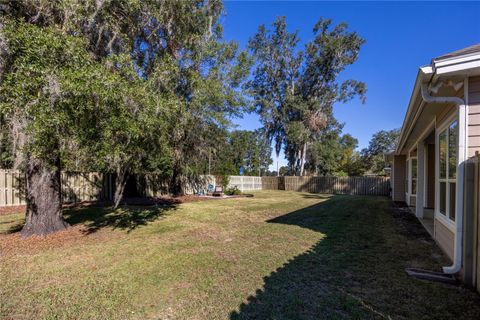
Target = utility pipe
(461,158)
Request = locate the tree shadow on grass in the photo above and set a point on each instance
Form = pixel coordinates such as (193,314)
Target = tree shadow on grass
(356,271)
(94,218)
(124,218)
(15,226)
(317,196)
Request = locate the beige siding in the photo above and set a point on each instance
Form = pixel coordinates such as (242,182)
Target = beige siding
(474,96)
(474,119)
(474,143)
(474,85)
(473,116)
(473,130)
(445,238)
(473,109)
(398,177)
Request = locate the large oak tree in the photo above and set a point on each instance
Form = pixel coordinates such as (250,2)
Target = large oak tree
(119,86)
(295,90)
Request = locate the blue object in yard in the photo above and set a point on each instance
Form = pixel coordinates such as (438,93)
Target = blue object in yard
(241,171)
(210,188)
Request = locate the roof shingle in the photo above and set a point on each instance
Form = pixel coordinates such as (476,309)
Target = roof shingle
(468,50)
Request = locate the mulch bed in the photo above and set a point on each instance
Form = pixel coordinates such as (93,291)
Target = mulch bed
(166,200)
(163,200)
(13,243)
(407,224)
(12,210)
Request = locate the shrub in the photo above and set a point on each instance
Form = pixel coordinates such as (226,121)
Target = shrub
(233,191)
(222,180)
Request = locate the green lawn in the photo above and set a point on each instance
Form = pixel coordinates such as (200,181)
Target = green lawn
(279,255)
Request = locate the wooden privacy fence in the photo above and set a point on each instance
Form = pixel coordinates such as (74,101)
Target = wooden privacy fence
(76,187)
(91,186)
(378,186)
(11,188)
(271,183)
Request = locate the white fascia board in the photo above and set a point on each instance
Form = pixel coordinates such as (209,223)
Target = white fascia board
(463,64)
(426,70)
(423,72)
(456,60)
(464,68)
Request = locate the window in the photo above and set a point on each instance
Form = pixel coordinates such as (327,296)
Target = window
(443,198)
(452,150)
(447,173)
(452,200)
(414,176)
(442,143)
(411,177)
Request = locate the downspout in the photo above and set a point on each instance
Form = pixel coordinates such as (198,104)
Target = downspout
(462,157)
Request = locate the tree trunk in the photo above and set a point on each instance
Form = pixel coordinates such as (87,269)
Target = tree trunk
(176,184)
(303,158)
(44,199)
(298,157)
(120,182)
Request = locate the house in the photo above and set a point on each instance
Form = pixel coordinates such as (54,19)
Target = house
(435,166)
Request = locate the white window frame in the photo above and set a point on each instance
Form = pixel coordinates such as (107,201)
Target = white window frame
(409,178)
(445,218)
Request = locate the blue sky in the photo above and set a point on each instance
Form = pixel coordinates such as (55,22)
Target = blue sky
(400,37)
